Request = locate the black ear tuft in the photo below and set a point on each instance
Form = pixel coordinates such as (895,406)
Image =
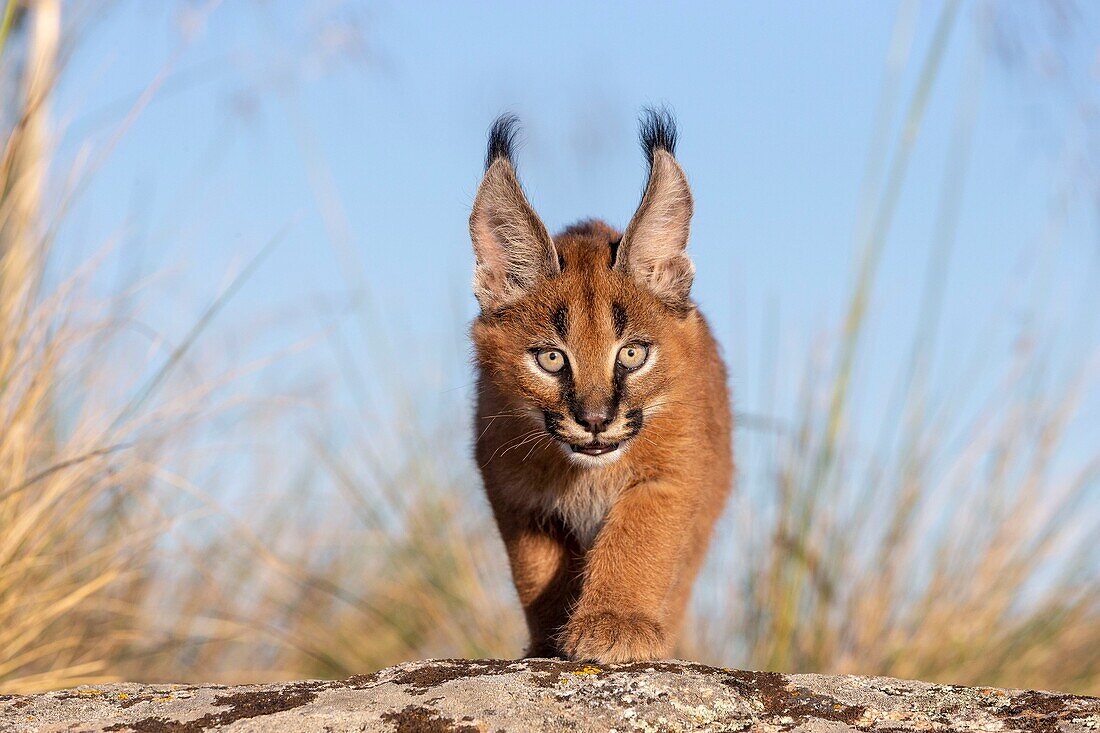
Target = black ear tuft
(502,138)
(657,130)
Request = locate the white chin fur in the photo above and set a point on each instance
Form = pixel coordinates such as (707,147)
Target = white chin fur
(587,461)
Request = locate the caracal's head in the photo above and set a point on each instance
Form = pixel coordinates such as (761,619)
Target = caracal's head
(582,334)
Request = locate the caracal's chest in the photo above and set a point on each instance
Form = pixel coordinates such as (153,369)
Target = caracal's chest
(582,503)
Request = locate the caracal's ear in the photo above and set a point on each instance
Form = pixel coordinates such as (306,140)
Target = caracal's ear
(653,247)
(512,248)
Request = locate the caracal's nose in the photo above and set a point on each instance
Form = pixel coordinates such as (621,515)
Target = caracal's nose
(594,421)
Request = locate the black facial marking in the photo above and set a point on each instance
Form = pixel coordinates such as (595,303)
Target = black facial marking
(553,422)
(634,421)
(618,316)
(569,393)
(614,244)
(561,322)
(618,385)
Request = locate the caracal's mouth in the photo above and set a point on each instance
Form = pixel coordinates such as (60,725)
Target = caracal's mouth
(595,448)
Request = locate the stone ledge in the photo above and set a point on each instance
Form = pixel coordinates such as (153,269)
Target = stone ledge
(468,696)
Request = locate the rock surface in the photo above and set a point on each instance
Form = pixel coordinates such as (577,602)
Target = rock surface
(548,695)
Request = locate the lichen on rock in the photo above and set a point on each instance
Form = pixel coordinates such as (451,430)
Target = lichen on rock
(487,696)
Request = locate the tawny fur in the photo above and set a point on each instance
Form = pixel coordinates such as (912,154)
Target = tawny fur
(603,550)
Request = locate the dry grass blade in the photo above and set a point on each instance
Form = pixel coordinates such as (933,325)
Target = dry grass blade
(81,515)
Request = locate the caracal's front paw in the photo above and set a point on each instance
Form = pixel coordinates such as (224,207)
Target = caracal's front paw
(610,638)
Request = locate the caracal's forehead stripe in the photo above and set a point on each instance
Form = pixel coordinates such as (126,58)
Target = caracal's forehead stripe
(618,318)
(561,322)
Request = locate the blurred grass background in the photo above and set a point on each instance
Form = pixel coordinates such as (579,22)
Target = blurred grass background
(954,540)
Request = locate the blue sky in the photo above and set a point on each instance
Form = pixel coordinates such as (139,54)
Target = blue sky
(359,130)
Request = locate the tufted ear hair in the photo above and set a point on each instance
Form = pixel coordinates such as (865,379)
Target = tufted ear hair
(653,247)
(512,248)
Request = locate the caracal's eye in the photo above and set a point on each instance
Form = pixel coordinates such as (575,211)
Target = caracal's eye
(633,356)
(551,360)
